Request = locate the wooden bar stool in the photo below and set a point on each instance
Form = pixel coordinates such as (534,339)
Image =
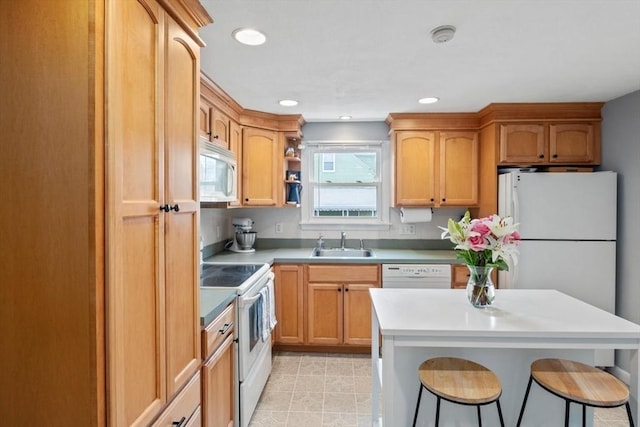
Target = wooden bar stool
(578,383)
(459,381)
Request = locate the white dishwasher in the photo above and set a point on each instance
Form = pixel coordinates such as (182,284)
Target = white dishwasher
(427,276)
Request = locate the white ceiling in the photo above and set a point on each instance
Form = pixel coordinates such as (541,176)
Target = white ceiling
(367,58)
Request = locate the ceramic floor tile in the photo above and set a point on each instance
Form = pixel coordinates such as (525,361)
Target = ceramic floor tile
(282,382)
(304,419)
(307,401)
(339,384)
(310,383)
(339,419)
(319,389)
(265,418)
(275,400)
(340,402)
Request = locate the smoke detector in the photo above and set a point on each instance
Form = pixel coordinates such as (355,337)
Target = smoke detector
(443,33)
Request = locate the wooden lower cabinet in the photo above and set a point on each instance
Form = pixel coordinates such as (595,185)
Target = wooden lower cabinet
(182,410)
(218,371)
(338,304)
(289,296)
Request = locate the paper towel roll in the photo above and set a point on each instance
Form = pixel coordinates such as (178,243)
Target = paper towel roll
(413,215)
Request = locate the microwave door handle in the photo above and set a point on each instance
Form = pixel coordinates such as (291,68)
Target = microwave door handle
(230,179)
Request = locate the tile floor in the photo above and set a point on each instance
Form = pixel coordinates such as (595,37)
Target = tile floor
(318,390)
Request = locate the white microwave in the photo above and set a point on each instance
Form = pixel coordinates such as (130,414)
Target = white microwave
(218,173)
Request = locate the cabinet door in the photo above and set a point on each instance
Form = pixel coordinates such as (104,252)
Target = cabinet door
(218,389)
(136,363)
(235,145)
(182,308)
(415,174)
(261,167)
(325,308)
(289,295)
(205,117)
(458,177)
(522,144)
(220,128)
(357,314)
(571,143)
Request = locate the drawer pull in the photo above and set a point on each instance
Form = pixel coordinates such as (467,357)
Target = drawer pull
(179,423)
(225,328)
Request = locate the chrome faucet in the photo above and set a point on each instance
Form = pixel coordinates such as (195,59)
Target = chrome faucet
(343,238)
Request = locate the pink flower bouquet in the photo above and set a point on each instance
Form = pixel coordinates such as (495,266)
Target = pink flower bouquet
(484,242)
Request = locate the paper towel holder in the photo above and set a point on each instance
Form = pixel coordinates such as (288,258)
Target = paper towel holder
(414,215)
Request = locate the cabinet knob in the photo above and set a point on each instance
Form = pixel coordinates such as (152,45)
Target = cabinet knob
(444,200)
(175,207)
(339,289)
(209,133)
(541,156)
(555,156)
(215,137)
(165,208)
(346,289)
(432,199)
(179,423)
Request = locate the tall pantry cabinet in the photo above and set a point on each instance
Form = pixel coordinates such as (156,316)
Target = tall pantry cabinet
(100,282)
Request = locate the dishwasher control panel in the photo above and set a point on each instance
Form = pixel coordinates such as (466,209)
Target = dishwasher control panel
(439,271)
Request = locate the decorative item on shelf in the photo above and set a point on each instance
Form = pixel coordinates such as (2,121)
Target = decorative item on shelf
(293,175)
(483,244)
(294,188)
(290,152)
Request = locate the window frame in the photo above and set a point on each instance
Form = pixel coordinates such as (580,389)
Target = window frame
(381,221)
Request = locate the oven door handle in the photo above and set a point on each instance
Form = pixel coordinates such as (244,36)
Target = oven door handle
(249,301)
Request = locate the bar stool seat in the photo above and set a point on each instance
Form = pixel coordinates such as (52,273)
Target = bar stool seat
(578,383)
(459,381)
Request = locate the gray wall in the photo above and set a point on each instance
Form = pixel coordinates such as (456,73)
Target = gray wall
(621,153)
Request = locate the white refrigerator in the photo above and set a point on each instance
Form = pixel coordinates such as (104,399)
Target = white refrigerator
(568,231)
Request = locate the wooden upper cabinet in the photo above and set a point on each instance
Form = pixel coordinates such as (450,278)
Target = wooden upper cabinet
(235,145)
(436,168)
(220,128)
(458,169)
(544,144)
(182,307)
(415,173)
(261,167)
(522,144)
(572,143)
(204,118)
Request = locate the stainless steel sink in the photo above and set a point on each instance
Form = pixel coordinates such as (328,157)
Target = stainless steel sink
(342,253)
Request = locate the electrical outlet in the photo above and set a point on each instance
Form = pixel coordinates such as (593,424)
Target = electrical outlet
(407,229)
(279,227)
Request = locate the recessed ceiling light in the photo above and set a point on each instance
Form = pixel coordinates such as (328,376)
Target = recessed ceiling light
(249,36)
(428,100)
(288,103)
(345,117)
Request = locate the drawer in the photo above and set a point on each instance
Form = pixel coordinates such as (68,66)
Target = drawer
(344,273)
(218,330)
(183,407)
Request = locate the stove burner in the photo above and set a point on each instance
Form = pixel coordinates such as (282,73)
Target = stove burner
(227,275)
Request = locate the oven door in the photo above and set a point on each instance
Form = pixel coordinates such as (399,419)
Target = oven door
(250,342)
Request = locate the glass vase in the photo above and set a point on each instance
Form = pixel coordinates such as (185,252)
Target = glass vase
(480,289)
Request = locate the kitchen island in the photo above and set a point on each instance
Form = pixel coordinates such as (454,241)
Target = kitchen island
(521,326)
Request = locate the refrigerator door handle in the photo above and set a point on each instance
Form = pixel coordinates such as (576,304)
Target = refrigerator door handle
(515,205)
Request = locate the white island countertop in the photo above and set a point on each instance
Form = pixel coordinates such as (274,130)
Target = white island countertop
(519,327)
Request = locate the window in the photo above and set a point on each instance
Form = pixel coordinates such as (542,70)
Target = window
(344,183)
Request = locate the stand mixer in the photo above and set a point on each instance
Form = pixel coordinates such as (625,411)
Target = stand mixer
(244,239)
